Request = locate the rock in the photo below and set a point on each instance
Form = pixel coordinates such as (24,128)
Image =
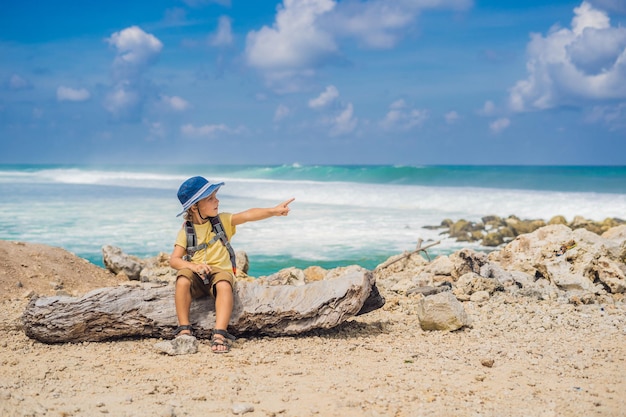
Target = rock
(243,263)
(567,258)
(479,296)
(428,290)
(242,408)
(558,220)
(471,282)
(466,260)
(314,273)
(117,261)
(611,274)
(441,265)
(287,276)
(441,312)
(400,267)
(494,231)
(616,233)
(492,239)
(524,226)
(488,363)
(181,345)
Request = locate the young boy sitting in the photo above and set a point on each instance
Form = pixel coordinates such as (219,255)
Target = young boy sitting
(207,269)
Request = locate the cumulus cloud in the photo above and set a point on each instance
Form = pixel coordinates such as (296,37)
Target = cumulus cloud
(305,34)
(612,116)
(223,36)
(281,112)
(382,23)
(209,131)
(71,94)
(499,125)
(325,98)
(124,102)
(136,51)
(583,64)
(175,103)
(401,116)
(344,122)
(156,130)
(451,117)
(16,82)
(488,108)
(618,6)
(294,44)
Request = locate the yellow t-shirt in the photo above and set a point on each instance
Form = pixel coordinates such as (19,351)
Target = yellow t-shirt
(216,253)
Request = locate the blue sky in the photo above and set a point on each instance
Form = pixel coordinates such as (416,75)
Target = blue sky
(313,82)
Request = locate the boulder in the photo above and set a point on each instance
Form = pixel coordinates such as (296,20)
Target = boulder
(441,311)
(472,282)
(569,259)
(117,262)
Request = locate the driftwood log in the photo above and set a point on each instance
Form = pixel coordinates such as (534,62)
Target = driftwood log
(141,311)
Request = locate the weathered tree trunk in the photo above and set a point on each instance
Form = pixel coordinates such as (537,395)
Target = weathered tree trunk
(125,311)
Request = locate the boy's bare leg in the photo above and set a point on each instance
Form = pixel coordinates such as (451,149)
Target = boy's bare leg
(223,308)
(182,299)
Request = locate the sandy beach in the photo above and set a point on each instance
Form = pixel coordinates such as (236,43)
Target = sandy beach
(521,357)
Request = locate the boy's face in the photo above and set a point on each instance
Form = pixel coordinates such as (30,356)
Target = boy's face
(208,206)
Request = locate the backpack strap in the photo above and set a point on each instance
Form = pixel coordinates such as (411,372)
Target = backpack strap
(192,241)
(220,234)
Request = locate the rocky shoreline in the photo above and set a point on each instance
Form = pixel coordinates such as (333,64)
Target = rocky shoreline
(493,231)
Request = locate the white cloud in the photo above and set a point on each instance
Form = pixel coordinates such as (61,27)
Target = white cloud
(136,51)
(71,94)
(156,130)
(123,103)
(382,23)
(574,66)
(612,5)
(223,36)
(344,122)
(295,41)
(400,116)
(209,131)
(499,125)
(325,98)
(175,102)
(488,108)
(451,117)
(612,116)
(281,112)
(304,34)
(16,83)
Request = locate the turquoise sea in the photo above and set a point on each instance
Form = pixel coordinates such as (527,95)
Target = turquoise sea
(342,214)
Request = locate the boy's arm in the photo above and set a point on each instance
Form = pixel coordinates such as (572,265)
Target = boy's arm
(254,214)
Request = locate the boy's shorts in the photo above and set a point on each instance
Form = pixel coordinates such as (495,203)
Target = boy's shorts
(199,288)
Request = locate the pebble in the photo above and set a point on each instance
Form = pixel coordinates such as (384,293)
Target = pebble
(242,408)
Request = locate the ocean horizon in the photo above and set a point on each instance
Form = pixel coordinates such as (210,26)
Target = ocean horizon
(342,215)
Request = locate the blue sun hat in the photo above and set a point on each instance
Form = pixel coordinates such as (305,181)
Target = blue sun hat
(195,189)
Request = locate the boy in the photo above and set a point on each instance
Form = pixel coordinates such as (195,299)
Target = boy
(209,270)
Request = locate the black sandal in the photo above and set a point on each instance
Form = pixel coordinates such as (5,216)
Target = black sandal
(224,339)
(184,327)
